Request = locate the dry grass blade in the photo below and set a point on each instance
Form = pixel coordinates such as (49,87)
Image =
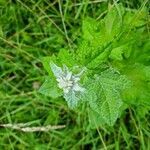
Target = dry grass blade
(24,128)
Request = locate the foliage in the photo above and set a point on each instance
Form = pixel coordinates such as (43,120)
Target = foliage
(107,44)
(31,30)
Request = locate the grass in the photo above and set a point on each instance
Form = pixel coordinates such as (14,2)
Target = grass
(30,30)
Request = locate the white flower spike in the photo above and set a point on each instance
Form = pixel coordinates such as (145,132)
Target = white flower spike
(66,80)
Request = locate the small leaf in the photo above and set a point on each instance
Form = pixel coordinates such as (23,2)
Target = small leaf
(46,63)
(49,88)
(57,71)
(116,53)
(72,99)
(113,21)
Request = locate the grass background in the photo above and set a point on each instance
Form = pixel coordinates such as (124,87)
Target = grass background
(30,30)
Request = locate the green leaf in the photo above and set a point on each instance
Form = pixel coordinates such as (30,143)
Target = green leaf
(49,88)
(110,107)
(131,20)
(72,99)
(112,83)
(95,119)
(139,93)
(98,38)
(113,21)
(63,57)
(89,28)
(57,71)
(46,63)
(104,94)
(67,57)
(116,53)
(101,58)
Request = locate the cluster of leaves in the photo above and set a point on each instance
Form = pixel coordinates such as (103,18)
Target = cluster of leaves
(115,51)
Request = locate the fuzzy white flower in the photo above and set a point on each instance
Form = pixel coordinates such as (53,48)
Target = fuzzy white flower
(66,80)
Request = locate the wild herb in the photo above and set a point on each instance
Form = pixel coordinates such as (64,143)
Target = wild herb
(108,70)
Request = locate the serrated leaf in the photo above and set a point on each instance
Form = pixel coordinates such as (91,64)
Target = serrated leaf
(72,99)
(110,107)
(49,88)
(98,36)
(104,94)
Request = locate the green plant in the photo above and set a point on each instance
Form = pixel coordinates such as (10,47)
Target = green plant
(113,56)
